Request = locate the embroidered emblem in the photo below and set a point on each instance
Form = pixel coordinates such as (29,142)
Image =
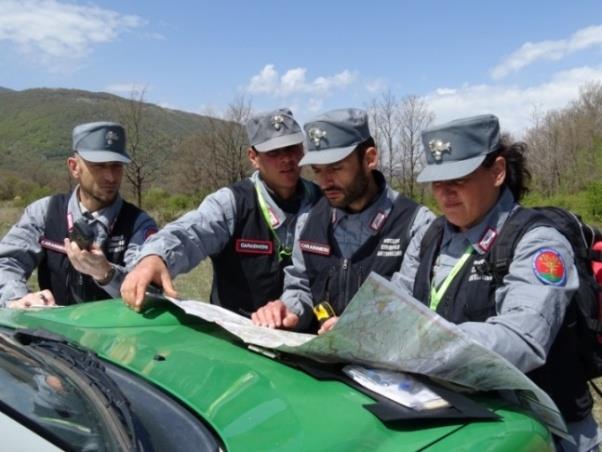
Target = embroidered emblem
(487,239)
(277,121)
(549,267)
(390,247)
(116,244)
(249,246)
(438,147)
(111,137)
(316,135)
(315,248)
(150,231)
(480,271)
(378,221)
(52,245)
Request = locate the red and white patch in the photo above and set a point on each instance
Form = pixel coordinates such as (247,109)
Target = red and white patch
(249,246)
(378,221)
(315,248)
(52,245)
(487,240)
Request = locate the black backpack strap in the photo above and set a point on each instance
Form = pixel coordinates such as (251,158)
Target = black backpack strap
(500,256)
(432,235)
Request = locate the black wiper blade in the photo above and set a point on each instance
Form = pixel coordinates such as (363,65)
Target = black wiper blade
(88,363)
(25,336)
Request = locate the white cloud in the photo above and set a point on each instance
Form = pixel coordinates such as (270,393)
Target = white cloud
(531,52)
(512,104)
(294,81)
(52,32)
(376,86)
(315,105)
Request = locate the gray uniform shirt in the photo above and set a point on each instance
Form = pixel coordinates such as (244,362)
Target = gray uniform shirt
(529,311)
(206,231)
(21,253)
(350,232)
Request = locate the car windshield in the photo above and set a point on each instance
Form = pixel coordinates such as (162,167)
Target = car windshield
(51,398)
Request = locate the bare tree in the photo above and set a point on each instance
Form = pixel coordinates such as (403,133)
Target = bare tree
(384,113)
(229,142)
(414,116)
(145,144)
(217,155)
(396,127)
(192,171)
(565,146)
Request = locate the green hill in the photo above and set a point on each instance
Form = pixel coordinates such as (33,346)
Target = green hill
(37,122)
(36,126)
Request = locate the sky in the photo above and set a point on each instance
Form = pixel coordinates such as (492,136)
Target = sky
(515,59)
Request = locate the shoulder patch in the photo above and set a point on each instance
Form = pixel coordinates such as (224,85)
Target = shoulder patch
(549,267)
(150,231)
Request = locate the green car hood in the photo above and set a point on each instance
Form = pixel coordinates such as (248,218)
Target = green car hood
(254,402)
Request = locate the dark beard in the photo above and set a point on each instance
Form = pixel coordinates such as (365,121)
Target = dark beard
(353,192)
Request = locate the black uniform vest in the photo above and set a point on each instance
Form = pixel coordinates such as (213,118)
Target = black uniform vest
(471,297)
(248,272)
(56,273)
(336,279)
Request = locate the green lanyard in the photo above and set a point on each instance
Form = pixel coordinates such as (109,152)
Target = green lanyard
(437,294)
(265,211)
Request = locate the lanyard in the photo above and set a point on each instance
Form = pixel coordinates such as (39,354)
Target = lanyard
(437,294)
(267,216)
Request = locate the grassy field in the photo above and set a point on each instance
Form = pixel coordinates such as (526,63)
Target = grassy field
(196,285)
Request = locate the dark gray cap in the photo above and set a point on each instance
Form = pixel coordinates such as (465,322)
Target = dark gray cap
(100,142)
(334,135)
(274,130)
(457,148)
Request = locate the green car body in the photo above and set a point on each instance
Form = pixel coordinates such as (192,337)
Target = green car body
(253,402)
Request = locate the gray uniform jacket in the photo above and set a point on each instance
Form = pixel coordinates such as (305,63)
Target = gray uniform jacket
(529,311)
(350,232)
(21,253)
(206,231)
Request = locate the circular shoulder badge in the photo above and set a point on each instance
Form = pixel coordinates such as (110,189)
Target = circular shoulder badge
(150,231)
(549,267)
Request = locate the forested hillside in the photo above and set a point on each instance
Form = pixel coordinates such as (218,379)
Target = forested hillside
(166,145)
(179,157)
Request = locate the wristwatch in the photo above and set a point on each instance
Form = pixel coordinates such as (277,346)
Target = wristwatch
(107,278)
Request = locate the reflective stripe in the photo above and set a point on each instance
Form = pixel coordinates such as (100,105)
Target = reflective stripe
(265,212)
(437,294)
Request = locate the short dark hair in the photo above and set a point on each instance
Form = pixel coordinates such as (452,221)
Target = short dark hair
(361,148)
(518,175)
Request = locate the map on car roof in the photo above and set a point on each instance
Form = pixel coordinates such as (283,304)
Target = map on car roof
(384,327)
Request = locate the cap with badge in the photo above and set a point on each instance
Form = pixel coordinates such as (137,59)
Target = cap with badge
(334,135)
(457,148)
(274,130)
(100,142)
